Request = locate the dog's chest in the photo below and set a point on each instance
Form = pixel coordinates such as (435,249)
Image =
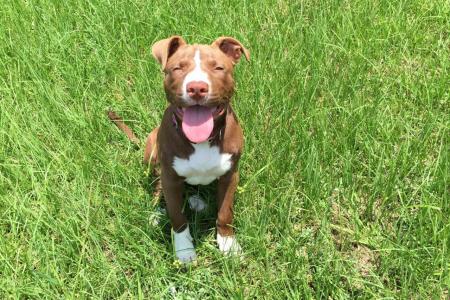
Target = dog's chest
(204,165)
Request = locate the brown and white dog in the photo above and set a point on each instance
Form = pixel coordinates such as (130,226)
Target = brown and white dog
(199,139)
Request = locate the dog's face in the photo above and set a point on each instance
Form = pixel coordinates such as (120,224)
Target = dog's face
(199,75)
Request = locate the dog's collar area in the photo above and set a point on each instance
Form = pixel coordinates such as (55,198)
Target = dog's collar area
(219,124)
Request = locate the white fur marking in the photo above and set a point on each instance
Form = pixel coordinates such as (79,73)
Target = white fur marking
(196,203)
(184,249)
(204,165)
(228,245)
(195,75)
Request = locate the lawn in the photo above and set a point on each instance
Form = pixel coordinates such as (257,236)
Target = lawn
(344,188)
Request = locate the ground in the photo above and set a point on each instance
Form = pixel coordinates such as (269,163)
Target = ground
(344,188)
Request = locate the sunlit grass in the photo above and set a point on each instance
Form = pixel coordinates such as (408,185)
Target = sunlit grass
(344,180)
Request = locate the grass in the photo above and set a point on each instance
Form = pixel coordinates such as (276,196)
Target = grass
(344,187)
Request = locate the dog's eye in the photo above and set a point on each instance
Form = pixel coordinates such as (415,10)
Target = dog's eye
(177,68)
(219,68)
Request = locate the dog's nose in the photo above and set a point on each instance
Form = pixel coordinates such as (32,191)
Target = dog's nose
(197,90)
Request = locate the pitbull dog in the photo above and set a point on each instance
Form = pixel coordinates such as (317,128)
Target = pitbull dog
(199,139)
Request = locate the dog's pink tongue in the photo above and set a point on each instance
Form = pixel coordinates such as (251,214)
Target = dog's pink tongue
(197,123)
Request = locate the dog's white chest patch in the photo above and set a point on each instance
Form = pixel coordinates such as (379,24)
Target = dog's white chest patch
(204,165)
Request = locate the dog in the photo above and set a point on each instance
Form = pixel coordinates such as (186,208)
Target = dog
(199,140)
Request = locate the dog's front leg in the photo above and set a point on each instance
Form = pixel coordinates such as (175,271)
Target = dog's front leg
(226,239)
(173,195)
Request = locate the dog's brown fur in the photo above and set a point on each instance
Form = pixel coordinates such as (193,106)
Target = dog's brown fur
(166,142)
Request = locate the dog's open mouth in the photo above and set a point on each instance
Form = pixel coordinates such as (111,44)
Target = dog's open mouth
(198,121)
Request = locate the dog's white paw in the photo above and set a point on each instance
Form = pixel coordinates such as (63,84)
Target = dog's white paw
(228,245)
(184,248)
(196,203)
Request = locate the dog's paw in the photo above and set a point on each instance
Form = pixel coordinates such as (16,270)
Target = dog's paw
(196,203)
(183,246)
(186,256)
(228,245)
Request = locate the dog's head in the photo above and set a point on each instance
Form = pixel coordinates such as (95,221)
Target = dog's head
(198,80)
(198,74)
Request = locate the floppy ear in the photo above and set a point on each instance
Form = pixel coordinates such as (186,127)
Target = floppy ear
(232,48)
(164,49)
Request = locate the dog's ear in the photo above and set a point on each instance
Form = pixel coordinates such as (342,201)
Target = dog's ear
(232,48)
(164,49)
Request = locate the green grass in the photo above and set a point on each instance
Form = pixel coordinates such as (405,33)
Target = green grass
(344,187)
